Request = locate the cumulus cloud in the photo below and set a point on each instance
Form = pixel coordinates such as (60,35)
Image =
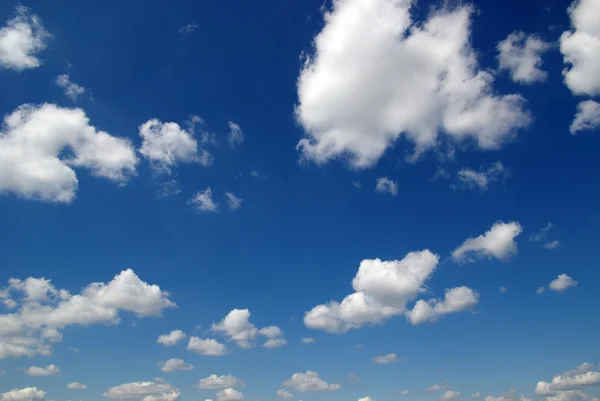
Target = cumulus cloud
(382,290)
(233,201)
(357,91)
(216,382)
(455,300)
(404,392)
(483,178)
(587,117)
(521,55)
(236,135)
(144,391)
(435,387)
(24,394)
(385,359)
(76,386)
(165,145)
(577,378)
(41,144)
(236,327)
(207,346)
(308,340)
(282,393)
(175,364)
(229,394)
(168,340)
(365,399)
(45,310)
(498,242)
(203,201)
(561,283)
(580,48)
(571,395)
(449,395)
(309,381)
(72,90)
(21,39)
(384,184)
(50,370)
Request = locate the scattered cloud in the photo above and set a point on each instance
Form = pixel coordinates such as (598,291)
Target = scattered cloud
(207,346)
(385,359)
(24,394)
(144,391)
(21,39)
(76,386)
(174,365)
(435,387)
(561,283)
(482,179)
(384,184)
(50,370)
(404,392)
(236,135)
(455,300)
(309,381)
(587,117)
(282,393)
(233,201)
(365,399)
(214,382)
(307,340)
(540,290)
(72,90)
(498,242)
(229,394)
(237,328)
(168,340)
(542,234)
(521,55)
(449,395)
(552,244)
(203,201)
(33,164)
(577,378)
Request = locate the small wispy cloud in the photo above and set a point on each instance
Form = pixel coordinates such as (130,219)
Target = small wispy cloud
(187,29)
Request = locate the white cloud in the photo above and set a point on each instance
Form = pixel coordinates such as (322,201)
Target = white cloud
(404,392)
(383,288)
(552,244)
(275,343)
(203,201)
(581,48)
(236,326)
(498,242)
(236,135)
(308,340)
(24,394)
(455,300)
(72,90)
(356,93)
(144,391)
(365,399)
(574,379)
(281,393)
(189,28)
(476,395)
(561,283)
(229,394)
(309,381)
(21,39)
(540,290)
(165,145)
(233,201)
(175,364)
(32,162)
(74,349)
(384,184)
(587,117)
(542,234)
(385,359)
(50,370)
(37,324)
(449,395)
(521,55)
(571,395)
(483,178)
(216,382)
(435,387)
(76,386)
(168,340)
(207,346)
(503,289)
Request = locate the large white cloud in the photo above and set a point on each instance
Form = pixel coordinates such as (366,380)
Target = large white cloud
(236,327)
(21,39)
(144,391)
(309,381)
(45,310)
(520,54)
(33,162)
(498,242)
(223,381)
(364,87)
(581,376)
(383,288)
(24,394)
(587,117)
(50,370)
(580,47)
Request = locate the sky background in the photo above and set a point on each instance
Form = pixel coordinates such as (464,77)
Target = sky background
(303,228)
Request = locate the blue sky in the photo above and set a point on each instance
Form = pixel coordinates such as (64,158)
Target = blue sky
(411,188)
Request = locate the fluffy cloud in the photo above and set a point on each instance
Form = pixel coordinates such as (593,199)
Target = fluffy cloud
(21,39)
(498,242)
(455,300)
(308,340)
(229,394)
(144,391)
(587,117)
(404,392)
(168,340)
(356,93)
(309,381)
(175,364)
(365,399)
(383,288)
(233,201)
(203,201)
(483,178)
(561,283)
(581,48)
(236,135)
(385,359)
(76,386)
(167,144)
(50,370)
(236,327)
(435,387)
(574,379)
(281,393)
(25,394)
(72,90)
(44,310)
(33,162)
(449,395)
(384,184)
(207,346)
(216,382)
(521,55)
